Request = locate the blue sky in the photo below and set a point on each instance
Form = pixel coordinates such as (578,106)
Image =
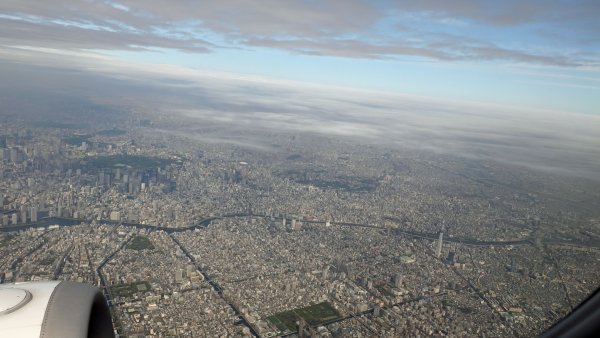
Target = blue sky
(537,54)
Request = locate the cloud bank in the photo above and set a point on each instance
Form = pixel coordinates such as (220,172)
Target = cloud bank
(564,143)
(552,32)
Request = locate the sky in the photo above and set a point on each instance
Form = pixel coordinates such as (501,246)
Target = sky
(513,81)
(538,54)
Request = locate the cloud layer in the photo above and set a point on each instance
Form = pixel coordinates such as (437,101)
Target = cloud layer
(565,143)
(549,32)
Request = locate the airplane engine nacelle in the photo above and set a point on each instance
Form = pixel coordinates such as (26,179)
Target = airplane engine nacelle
(52,309)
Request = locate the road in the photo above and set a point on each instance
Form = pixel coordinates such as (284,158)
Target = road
(216,287)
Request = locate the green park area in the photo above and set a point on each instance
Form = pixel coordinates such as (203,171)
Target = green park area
(76,139)
(128,290)
(314,315)
(140,243)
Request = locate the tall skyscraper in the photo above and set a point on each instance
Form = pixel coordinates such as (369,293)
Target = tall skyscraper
(34,215)
(450,258)
(438,250)
(397,280)
(179,276)
(14,155)
(376,311)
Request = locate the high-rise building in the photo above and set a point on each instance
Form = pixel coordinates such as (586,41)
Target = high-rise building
(296,225)
(438,250)
(14,155)
(115,216)
(179,276)
(450,258)
(34,215)
(376,311)
(397,280)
